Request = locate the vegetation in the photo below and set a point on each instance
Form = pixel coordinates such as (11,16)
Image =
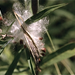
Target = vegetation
(37,37)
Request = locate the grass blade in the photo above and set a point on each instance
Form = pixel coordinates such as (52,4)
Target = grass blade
(56,66)
(67,67)
(14,63)
(8,27)
(31,67)
(43,13)
(62,53)
(3,46)
(29,62)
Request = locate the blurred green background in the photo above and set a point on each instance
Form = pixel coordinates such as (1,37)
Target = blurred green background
(61,28)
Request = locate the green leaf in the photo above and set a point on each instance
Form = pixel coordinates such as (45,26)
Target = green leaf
(14,63)
(3,42)
(8,27)
(29,61)
(31,66)
(1,50)
(43,13)
(3,45)
(5,29)
(62,53)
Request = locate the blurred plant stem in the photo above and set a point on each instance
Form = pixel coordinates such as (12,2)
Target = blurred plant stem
(63,62)
(56,66)
(34,4)
(67,67)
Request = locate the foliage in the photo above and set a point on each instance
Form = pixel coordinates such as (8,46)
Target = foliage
(15,58)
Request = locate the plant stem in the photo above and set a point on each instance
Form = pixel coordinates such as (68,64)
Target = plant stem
(67,67)
(56,66)
(63,62)
(50,39)
(34,6)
